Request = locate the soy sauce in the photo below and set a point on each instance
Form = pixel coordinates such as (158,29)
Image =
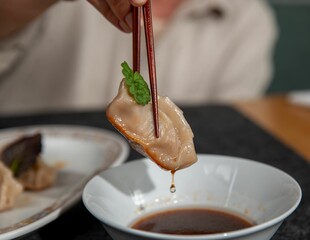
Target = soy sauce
(191,221)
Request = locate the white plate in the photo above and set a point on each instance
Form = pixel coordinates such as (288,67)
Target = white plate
(83,152)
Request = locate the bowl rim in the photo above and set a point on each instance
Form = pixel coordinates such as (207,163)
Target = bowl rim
(217,236)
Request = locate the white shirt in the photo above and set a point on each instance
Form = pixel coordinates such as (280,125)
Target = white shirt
(69,58)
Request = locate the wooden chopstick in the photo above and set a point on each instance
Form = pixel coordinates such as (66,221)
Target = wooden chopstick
(136,41)
(149,37)
(148,28)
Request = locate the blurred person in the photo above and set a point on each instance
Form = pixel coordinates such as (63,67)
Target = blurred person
(63,55)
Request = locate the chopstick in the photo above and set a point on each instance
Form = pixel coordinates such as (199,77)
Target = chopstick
(148,28)
(149,37)
(136,41)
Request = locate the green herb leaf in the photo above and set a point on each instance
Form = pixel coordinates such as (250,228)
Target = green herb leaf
(136,85)
(15,165)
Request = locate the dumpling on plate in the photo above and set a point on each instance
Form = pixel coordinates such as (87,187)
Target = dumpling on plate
(10,188)
(23,157)
(39,176)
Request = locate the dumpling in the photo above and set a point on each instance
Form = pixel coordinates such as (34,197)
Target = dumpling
(173,150)
(23,157)
(10,189)
(39,176)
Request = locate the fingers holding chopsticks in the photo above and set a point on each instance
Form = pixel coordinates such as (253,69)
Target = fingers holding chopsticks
(118,12)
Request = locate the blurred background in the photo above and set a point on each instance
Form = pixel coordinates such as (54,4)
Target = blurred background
(292,52)
(53,63)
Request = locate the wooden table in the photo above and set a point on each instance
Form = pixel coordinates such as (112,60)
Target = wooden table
(288,122)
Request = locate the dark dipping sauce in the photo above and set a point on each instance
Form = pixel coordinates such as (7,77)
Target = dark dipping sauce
(191,221)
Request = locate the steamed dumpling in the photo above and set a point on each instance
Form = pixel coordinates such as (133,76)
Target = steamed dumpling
(10,189)
(173,150)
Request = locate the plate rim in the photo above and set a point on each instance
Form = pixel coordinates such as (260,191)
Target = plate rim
(42,218)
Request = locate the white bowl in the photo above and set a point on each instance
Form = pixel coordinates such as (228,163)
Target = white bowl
(260,192)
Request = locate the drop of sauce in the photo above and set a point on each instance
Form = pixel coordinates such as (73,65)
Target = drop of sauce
(172,186)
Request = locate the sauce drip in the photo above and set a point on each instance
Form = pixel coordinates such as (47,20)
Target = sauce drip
(172,186)
(191,221)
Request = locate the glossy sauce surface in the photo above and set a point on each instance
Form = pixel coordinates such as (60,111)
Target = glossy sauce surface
(191,221)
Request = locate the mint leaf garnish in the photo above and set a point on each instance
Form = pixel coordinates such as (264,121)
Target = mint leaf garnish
(136,85)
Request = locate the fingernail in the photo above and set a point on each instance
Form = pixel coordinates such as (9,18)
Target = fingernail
(138,3)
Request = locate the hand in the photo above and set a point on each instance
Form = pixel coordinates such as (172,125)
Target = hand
(118,12)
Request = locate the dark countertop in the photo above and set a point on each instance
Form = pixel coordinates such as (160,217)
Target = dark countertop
(218,130)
